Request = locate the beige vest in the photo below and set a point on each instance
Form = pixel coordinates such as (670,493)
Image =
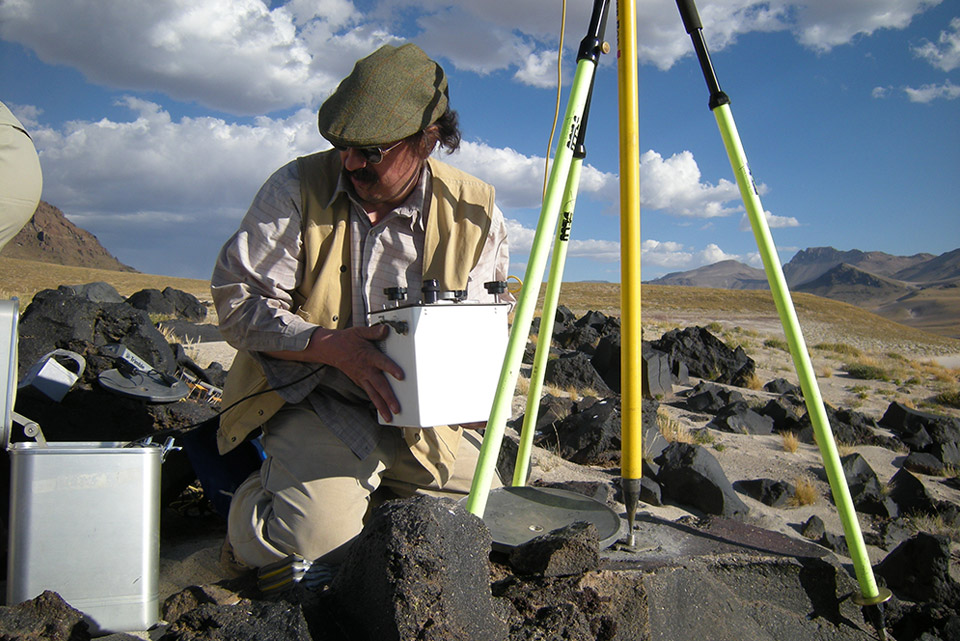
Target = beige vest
(457,223)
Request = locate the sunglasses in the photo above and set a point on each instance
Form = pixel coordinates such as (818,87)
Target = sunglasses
(372,155)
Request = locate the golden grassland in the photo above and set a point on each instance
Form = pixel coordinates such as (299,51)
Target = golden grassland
(24,278)
(687,305)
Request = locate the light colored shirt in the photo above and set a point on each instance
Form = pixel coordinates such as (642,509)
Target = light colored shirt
(260,266)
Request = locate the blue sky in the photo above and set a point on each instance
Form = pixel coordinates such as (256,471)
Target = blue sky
(157,121)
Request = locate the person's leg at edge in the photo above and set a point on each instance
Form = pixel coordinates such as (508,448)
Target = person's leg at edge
(310,496)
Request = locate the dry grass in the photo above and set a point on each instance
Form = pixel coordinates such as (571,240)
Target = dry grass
(672,430)
(934,524)
(753,382)
(790,442)
(24,278)
(847,324)
(805,493)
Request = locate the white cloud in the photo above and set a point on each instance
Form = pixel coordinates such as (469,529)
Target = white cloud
(713,254)
(237,56)
(138,185)
(241,56)
(825,24)
(880,92)
(673,185)
(945,53)
(669,254)
(929,93)
(677,257)
(519,178)
(773,222)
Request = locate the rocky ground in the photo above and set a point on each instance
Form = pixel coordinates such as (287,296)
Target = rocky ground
(737,533)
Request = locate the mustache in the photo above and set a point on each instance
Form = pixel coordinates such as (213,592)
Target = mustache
(363,174)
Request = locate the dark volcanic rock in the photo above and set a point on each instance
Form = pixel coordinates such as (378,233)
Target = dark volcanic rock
(923,463)
(45,618)
(656,376)
(925,432)
(656,380)
(247,621)
(706,356)
(56,319)
(569,550)
(919,569)
(868,495)
(853,428)
(740,418)
(575,370)
(587,437)
(783,386)
(786,417)
(580,339)
(606,360)
(98,292)
(710,397)
(767,491)
(814,528)
(419,570)
(169,302)
(908,493)
(690,475)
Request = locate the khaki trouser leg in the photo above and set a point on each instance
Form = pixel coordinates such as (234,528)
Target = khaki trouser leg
(312,494)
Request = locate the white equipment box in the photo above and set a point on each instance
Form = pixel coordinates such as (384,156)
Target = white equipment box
(451,354)
(84,517)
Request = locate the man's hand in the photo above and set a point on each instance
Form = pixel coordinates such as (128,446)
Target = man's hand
(353,352)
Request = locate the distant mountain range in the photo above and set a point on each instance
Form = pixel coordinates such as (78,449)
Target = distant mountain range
(922,290)
(48,237)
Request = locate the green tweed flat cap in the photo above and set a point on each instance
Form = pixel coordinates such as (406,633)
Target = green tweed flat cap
(391,94)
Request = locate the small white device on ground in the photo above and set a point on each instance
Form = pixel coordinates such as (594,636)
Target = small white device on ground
(451,352)
(84,516)
(50,377)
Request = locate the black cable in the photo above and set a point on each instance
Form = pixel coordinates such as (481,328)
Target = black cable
(180,431)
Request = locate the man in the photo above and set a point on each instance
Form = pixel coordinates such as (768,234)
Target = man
(323,238)
(20,178)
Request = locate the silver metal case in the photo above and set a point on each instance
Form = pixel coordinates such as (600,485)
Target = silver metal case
(84,516)
(85,523)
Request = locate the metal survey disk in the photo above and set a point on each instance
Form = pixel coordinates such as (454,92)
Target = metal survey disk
(515,515)
(136,378)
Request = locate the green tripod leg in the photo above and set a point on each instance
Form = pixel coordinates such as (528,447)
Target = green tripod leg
(871,596)
(590,49)
(547,318)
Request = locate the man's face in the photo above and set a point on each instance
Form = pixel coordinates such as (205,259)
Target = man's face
(386,182)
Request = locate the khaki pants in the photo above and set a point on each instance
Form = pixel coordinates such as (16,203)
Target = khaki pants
(312,494)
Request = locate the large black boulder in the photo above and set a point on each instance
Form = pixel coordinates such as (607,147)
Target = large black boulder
(767,491)
(919,569)
(59,320)
(656,378)
(706,356)
(589,437)
(710,397)
(690,475)
(170,302)
(419,570)
(866,491)
(574,370)
(739,418)
(925,432)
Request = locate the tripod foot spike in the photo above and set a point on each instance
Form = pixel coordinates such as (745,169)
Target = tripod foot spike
(873,610)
